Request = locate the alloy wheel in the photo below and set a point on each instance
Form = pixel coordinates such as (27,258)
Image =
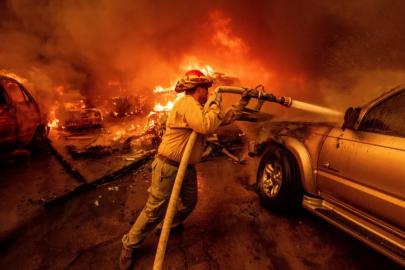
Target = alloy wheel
(271,178)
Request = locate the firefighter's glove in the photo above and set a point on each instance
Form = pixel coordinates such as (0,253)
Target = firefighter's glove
(161,132)
(244,98)
(216,98)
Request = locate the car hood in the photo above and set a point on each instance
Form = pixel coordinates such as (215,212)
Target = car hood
(298,130)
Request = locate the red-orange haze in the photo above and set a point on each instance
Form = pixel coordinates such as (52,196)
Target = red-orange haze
(334,54)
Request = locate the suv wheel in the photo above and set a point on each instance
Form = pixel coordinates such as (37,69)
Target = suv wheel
(278,180)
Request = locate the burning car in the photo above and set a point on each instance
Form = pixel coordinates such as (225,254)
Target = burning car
(352,175)
(75,114)
(21,124)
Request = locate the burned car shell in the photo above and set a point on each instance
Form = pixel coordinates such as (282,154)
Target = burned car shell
(20,118)
(354,178)
(82,117)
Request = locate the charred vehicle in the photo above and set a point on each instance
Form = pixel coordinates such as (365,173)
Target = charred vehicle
(21,125)
(125,106)
(75,114)
(352,175)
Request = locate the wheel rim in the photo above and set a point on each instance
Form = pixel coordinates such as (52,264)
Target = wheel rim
(271,178)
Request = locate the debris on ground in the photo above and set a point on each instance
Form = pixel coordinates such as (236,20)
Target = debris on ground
(112,176)
(96,151)
(230,144)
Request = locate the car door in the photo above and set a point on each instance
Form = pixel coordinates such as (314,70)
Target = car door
(364,169)
(25,109)
(7,124)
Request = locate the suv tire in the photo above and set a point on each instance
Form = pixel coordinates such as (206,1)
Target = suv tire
(278,180)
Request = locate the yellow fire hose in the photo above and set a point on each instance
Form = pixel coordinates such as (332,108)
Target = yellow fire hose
(164,236)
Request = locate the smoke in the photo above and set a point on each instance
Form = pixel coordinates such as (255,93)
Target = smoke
(333,53)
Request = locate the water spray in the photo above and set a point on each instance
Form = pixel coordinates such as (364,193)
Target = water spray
(314,108)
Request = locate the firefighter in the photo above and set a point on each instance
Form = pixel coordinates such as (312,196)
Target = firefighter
(187,115)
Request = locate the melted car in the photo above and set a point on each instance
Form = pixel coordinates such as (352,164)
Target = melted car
(21,124)
(352,175)
(74,114)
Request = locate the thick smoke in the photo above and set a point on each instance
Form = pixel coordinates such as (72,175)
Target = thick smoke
(333,53)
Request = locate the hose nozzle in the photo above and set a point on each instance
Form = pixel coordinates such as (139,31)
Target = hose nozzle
(287,102)
(254,93)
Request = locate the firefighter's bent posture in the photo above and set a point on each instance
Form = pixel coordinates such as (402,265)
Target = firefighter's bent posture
(187,115)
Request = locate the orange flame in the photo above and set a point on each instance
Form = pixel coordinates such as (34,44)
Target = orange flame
(13,75)
(159,108)
(223,34)
(160,89)
(59,89)
(53,122)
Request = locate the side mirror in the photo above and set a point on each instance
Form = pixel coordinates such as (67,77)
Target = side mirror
(350,118)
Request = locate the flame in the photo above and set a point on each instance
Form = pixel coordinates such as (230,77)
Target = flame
(119,135)
(13,75)
(223,34)
(59,89)
(75,105)
(159,108)
(53,122)
(160,89)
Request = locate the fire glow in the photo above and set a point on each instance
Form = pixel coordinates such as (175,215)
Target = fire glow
(53,122)
(192,64)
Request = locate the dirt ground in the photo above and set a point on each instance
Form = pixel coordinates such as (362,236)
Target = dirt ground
(229,229)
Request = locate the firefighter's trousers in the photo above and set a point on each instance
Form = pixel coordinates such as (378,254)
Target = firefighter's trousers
(163,176)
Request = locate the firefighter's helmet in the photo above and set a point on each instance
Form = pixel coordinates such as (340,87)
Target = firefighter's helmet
(192,79)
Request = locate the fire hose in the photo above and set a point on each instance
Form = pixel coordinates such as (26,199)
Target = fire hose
(253,93)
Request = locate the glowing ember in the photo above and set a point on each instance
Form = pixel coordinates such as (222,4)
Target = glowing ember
(114,83)
(119,135)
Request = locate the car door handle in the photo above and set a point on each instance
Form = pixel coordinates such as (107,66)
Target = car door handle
(327,166)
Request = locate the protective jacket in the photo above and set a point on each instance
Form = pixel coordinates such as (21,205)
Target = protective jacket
(187,115)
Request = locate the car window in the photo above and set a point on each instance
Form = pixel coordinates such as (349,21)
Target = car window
(14,90)
(388,117)
(26,96)
(3,99)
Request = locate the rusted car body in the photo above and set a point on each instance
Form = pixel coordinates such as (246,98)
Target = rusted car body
(79,114)
(352,175)
(21,124)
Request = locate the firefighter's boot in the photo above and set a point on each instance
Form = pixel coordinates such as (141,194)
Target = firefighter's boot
(126,258)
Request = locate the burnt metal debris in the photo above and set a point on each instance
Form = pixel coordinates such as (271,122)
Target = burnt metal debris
(87,186)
